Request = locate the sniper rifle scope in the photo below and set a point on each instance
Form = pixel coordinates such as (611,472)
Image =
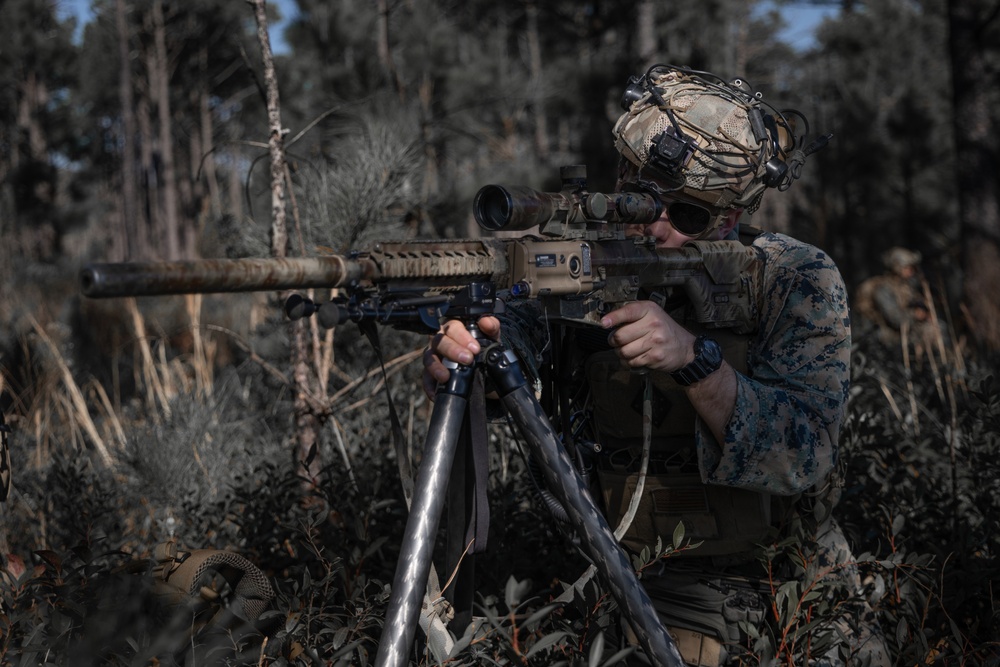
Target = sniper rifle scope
(519,208)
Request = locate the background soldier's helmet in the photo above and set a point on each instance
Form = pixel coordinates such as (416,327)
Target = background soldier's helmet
(897,259)
(707,140)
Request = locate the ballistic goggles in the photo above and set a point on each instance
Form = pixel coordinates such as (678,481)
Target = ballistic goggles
(690,218)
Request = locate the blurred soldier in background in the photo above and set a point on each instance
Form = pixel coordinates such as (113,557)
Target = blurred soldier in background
(745,433)
(894,305)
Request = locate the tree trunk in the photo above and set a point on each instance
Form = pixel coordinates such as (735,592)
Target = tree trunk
(538,89)
(306,422)
(385,50)
(206,126)
(132,228)
(431,172)
(33,98)
(169,177)
(29,151)
(976,146)
(150,217)
(740,44)
(645,34)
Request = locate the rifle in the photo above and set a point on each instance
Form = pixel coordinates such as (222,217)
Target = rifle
(579,265)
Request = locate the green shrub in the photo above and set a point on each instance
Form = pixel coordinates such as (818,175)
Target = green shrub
(920,504)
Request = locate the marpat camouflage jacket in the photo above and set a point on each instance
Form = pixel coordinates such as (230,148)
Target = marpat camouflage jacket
(782,437)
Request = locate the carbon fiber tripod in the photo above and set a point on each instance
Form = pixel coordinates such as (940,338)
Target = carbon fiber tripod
(451,408)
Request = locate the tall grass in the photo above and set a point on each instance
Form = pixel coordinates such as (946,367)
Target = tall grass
(203,457)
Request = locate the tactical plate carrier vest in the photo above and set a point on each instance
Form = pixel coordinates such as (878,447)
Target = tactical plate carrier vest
(726,520)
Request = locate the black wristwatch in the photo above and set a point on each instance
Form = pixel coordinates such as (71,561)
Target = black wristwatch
(707,360)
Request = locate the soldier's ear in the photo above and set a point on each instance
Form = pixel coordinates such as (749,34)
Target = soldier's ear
(729,223)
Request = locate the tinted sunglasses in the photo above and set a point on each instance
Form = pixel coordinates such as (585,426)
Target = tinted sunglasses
(690,219)
(687,218)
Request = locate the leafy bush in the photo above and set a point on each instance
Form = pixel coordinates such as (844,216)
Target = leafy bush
(922,499)
(919,503)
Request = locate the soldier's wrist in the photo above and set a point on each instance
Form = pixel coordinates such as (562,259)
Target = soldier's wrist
(707,359)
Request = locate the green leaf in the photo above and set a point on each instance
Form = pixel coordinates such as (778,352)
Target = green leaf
(902,632)
(375,545)
(812,595)
(347,650)
(540,614)
(956,632)
(785,598)
(678,538)
(596,650)
(465,639)
(750,629)
(546,642)
(619,656)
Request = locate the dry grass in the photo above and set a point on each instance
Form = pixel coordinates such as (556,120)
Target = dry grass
(64,411)
(935,343)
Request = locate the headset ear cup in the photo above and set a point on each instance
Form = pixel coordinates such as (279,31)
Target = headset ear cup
(634,91)
(774,172)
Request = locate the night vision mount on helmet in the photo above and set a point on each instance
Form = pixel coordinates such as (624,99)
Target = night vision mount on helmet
(706,140)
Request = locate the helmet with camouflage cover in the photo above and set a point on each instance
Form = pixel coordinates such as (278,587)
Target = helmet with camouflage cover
(704,140)
(898,259)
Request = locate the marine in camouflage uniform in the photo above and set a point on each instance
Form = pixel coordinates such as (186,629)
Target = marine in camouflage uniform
(893,304)
(780,443)
(744,447)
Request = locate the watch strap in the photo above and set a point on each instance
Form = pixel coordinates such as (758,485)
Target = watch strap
(707,360)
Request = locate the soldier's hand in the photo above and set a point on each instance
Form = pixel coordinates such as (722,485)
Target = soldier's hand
(454,343)
(646,337)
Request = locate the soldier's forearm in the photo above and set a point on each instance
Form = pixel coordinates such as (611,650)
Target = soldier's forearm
(714,399)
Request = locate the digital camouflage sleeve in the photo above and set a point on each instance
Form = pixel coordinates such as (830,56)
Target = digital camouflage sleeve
(782,437)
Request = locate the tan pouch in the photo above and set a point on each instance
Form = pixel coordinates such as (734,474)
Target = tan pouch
(697,649)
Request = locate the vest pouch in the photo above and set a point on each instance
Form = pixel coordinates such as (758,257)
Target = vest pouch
(726,520)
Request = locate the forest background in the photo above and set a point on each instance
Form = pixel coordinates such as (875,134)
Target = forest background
(145,134)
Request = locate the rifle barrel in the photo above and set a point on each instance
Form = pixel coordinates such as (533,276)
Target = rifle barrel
(221,275)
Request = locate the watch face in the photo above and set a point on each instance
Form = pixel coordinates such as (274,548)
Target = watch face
(711,352)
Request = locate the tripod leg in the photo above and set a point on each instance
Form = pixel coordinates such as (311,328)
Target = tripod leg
(413,568)
(592,528)
(466,491)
